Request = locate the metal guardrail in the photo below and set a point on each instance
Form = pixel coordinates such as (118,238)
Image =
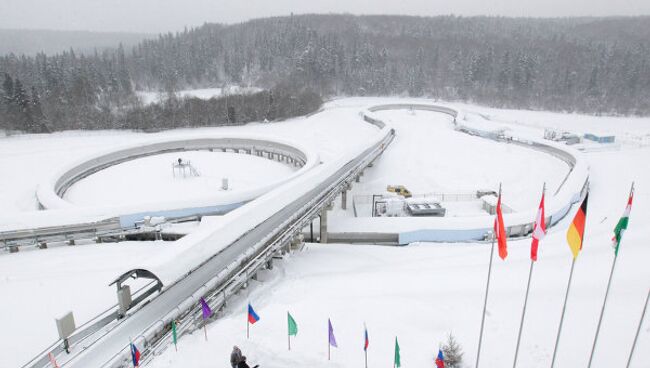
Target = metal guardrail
(51,234)
(88,328)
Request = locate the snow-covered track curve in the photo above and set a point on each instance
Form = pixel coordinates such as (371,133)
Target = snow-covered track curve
(440,229)
(68,222)
(50,193)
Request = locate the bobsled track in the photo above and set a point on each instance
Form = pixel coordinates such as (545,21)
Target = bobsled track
(66,222)
(217,262)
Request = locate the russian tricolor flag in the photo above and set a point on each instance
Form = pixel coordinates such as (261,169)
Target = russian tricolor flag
(135,355)
(440,360)
(366,341)
(252,316)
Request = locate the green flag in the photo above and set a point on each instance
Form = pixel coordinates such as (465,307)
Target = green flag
(293,327)
(397,357)
(174,332)
(621,226)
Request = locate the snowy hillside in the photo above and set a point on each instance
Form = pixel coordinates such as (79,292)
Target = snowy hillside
(419,293)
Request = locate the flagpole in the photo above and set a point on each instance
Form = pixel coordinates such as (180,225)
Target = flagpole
(247,328)
(487,288)
(602,312)
(328,340)
(609,283)
(523,312)
(365,353)
(205,330)
(566,296)
(289,340)
(638,330)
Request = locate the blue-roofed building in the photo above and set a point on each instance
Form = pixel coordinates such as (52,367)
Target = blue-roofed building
(600,138)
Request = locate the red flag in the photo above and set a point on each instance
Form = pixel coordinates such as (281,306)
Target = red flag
(500,231)
(52,360)
(539,231)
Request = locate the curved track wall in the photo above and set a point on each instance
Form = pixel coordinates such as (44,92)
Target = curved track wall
(49,194)
(574,186)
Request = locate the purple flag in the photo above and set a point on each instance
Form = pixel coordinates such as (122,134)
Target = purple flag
(331,334)
(207,312)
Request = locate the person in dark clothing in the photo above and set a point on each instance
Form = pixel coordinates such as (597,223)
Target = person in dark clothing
(235,357)
(243,363)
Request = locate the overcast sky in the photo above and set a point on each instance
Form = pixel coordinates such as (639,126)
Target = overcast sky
(153,16)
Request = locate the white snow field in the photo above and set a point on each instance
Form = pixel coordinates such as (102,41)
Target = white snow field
(151,178)
(428,155)
(28,160)
(418,293)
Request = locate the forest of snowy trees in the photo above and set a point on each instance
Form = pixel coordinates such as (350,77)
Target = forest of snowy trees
(592,65)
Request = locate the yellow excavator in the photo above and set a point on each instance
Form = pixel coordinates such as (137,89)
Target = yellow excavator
(400,190)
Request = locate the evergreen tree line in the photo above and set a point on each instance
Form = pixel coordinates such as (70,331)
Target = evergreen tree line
(279,102)
(593,65)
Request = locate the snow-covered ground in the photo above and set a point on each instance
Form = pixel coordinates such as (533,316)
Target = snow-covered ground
(151,178)
(40,285)
(419,293)
(149,97)
(423,292)
(428,155)
(29,160)
(630,130)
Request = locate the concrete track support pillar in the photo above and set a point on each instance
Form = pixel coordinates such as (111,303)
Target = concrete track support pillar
(344,199)
(323,225)
(297,242)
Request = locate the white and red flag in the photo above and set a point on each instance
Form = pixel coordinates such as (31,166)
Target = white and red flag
(539,231)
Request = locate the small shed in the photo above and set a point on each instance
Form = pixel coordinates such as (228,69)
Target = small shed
(600,138)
